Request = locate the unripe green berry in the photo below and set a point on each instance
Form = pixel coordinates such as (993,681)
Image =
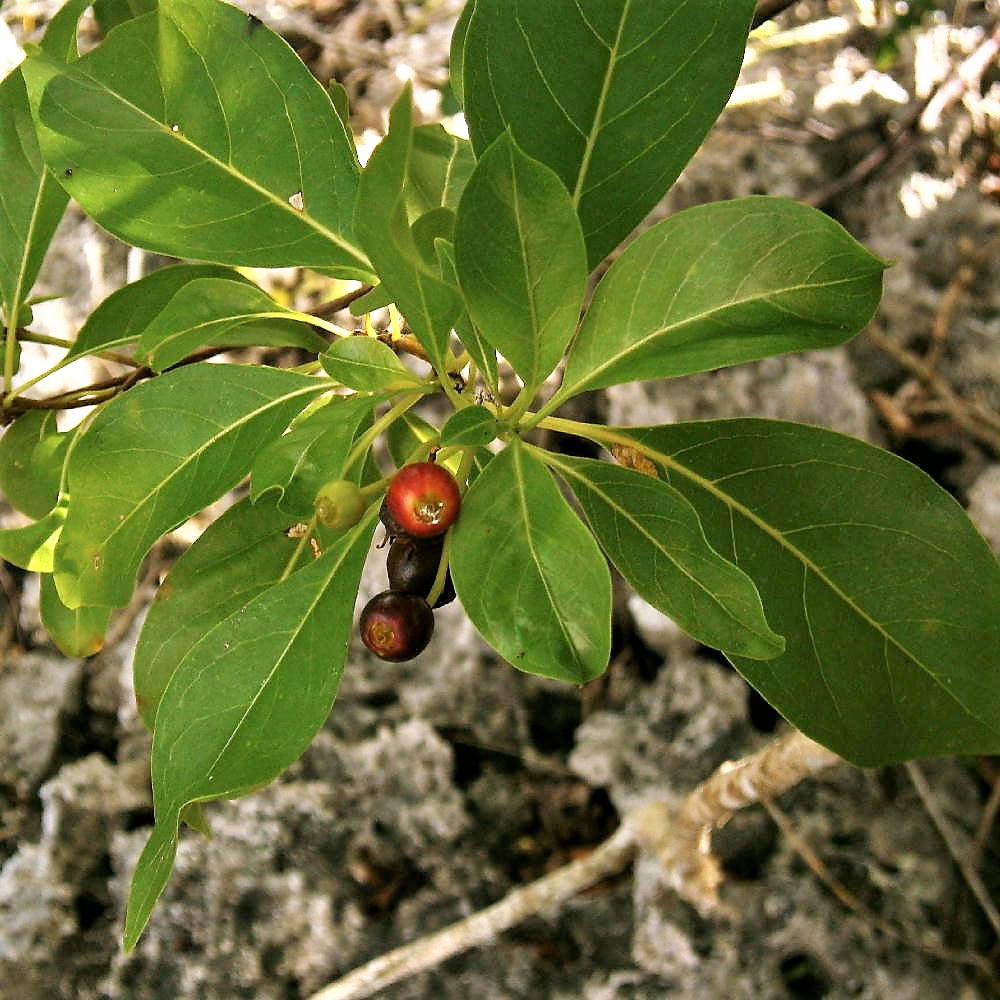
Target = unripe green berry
(340,504)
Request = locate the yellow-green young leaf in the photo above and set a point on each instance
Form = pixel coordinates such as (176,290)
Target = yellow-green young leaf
(217,144)
(234,559)
(383,226)
(247,698)
(521,260)
(123,316)
(217,312)
(31,202)
(475,426)
(614,96)
(155,456)
(32,452)
(366,364)
(653,535)
(33,547)
(529,574)
(440,164)
(721,284)
(884,591)
(295,465)
(75,631)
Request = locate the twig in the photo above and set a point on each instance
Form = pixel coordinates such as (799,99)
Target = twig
(985,824)
(971,417)
(819,869)
(768,9)
(959,854)
(327,309)
(678,836)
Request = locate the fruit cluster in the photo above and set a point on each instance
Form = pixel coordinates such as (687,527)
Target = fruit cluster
(421,504)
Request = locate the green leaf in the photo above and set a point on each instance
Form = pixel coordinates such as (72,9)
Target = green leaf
(722,284)
(885,593)
(111,13)
(457,54)
(123,316)
(237,557)
(653,535)
(155,456)
(298,463)
(76,631)
(439,167)
(60,39)
(614,96)
(186,134)
(367,364)
(247,698)
(222,313)
(474,426)
(530,576)
(32,452)
(383,227)
(482,353)
(521,259)
(33,547)
(31,203)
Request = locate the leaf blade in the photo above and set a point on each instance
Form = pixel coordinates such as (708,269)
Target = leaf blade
(848,546)
(603,93)
(166,152)
(157,455)
(653,536)
(521,259)
(721,284)
(530,576)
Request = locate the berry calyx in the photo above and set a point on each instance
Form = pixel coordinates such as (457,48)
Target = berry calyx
(396,626)
(339,504)
(423,500)
(412,569)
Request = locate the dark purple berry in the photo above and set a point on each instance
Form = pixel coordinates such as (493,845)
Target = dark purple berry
(395,626)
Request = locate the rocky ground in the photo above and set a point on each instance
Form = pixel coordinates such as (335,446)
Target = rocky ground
(438,786)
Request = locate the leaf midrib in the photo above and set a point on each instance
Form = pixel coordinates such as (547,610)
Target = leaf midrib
(336,239)
(569,389)
(638,526)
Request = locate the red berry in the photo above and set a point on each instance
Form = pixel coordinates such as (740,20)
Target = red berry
(396,626)
(423,499)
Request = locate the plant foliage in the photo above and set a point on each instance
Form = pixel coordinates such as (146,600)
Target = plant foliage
(848,588)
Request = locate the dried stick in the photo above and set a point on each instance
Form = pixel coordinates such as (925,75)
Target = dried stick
(677,835)
(958,853)
(820,870)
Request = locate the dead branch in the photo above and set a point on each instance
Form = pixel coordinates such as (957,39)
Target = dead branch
(677,834)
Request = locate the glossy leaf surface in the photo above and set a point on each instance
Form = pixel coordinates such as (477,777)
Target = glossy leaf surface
(885,593)
(33,546)
(188,134)
(218,312)
(520,258)
(246,699)
(614,96)
(721,284)
(439,167)
(529,574)
(474,426)
(158,454)
(653,536)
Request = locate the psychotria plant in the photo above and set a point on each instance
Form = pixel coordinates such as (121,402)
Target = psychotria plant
(842,583)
